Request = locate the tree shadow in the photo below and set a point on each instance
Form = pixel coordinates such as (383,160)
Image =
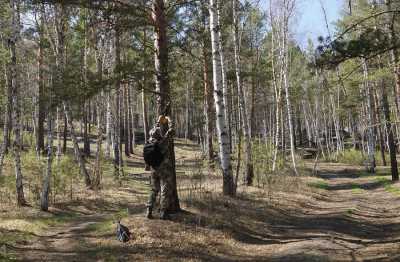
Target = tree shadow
(258,223)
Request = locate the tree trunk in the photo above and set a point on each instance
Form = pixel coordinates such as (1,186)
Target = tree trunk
(208,96)
(187,109)
(132,118)
(86,106)
(144,86)
(118,172)
(65,134)
(225,90)
(44,198)
(17,146)
(380,132)
(285,60)
(127,124)
(41,94)
(370,128)
(58,123)
(108,126)
(249,174)
(60,66)
(7,118)
(163,88)
(222,130)
(78,155)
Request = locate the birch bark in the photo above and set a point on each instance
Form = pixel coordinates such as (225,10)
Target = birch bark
(222,131)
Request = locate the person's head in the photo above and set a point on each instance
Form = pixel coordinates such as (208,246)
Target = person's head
(162,120)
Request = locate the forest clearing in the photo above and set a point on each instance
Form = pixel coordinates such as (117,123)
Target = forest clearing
(218,130)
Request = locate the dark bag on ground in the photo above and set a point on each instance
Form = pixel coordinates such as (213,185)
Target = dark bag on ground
(152,155)
(123,233)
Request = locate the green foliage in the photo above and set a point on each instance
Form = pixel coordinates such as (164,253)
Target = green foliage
(32,170)
(354,157)
(319,185)
(262,158)
(66,172)
(351,156)
(388,185)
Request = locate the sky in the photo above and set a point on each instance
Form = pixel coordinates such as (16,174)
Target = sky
(310,21)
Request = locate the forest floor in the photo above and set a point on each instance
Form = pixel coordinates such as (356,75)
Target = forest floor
(341,214)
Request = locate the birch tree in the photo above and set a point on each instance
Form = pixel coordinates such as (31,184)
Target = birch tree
(222,130)
(15,94)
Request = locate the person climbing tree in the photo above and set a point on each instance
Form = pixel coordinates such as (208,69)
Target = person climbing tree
(156,156)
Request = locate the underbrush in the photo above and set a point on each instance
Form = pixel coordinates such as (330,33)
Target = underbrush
(66,182)
(355,157)
(201,185)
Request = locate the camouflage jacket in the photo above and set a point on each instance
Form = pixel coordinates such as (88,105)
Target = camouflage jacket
(161,134)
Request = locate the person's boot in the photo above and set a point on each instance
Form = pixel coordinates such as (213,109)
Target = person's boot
(164,215)
(149,213)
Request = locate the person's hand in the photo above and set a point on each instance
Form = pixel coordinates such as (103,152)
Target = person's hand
(170,132)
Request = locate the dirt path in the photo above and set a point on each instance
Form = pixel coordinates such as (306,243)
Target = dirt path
(349,218)
(355,218)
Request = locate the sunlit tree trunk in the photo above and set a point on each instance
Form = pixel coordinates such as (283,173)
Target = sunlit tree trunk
(58,123)
(222,130)
(277,91)
(108,126)
(225,90)
(144,86)
(289,5)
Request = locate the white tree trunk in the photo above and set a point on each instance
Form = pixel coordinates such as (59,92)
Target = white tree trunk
(58,122)
(44,198)
(222,57)
(289,109)
(222,130)
(108,127)
(370,166)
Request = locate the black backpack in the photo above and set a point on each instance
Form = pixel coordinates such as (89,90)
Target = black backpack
(152,155)
(123,233)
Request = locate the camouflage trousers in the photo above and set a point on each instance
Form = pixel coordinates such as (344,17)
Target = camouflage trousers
(160,181)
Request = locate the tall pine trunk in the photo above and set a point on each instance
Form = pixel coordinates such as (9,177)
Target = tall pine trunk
(163,87)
